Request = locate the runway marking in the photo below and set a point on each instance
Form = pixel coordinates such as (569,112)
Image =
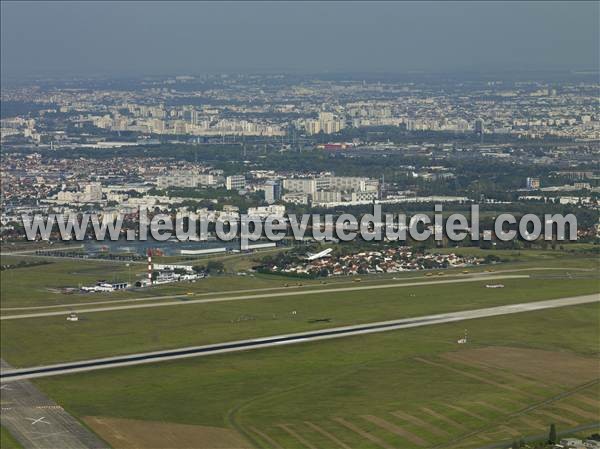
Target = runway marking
(364,434)
(327,434)
(38,420)
(46,435)
(393,428)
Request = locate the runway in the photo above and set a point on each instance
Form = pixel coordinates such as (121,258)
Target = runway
(38,422)
(7,375)
(185,301)
(482,275)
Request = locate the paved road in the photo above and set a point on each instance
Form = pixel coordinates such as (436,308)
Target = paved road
(264,295)
(23,404)
(279,340)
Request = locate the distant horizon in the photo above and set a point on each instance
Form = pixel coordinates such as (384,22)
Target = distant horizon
(503,75)
(163,38)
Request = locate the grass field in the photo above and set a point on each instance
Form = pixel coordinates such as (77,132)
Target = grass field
(7,441)
(137,330)
(39,286)
(405,389)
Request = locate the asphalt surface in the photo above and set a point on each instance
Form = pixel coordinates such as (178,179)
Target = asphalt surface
(23,404)
(7,375)
(186,301)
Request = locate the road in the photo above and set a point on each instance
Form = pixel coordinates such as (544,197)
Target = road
(37,422)
(280,340)
(263,296)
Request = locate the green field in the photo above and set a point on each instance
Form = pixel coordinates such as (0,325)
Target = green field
(39,286)
(367,383)
(7,441)
(137,330)
(404,389)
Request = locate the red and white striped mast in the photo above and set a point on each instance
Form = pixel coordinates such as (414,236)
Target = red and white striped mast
(150,266)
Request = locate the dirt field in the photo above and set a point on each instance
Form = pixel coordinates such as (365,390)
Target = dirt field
(132,433)
(548,366)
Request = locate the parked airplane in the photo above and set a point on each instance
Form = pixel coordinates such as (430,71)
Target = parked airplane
(325,253)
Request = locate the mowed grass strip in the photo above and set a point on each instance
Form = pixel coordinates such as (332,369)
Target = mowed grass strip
(466,412)
(317,428)
(303,383)
(129,331)
(266,438)
(577,411)
(395,429)
(290,430)
(420,423)
(478,377)
(363,433)
(40,285)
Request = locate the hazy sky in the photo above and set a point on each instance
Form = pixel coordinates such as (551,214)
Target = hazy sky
(196,37)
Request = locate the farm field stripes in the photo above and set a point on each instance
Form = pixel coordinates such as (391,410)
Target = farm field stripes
(327,434)
(354,428)
(442,417)
(393,428)
(288,428)
(395,418)
(474,376)
(466,412)
(478,364)
(266,437)
(349,426)
(532,422)
(577,411)
(420,423)
(535,419)
(589,401)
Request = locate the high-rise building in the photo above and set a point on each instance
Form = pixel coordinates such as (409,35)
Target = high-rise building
(533,183)
(272,191)
(235,182)
(92,192)
(183,179)
(479,126)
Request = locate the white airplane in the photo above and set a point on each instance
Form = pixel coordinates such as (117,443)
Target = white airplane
(35,421)
(325,253)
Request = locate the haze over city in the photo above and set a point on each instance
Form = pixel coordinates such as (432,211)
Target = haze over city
(299,225)
(146,38)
